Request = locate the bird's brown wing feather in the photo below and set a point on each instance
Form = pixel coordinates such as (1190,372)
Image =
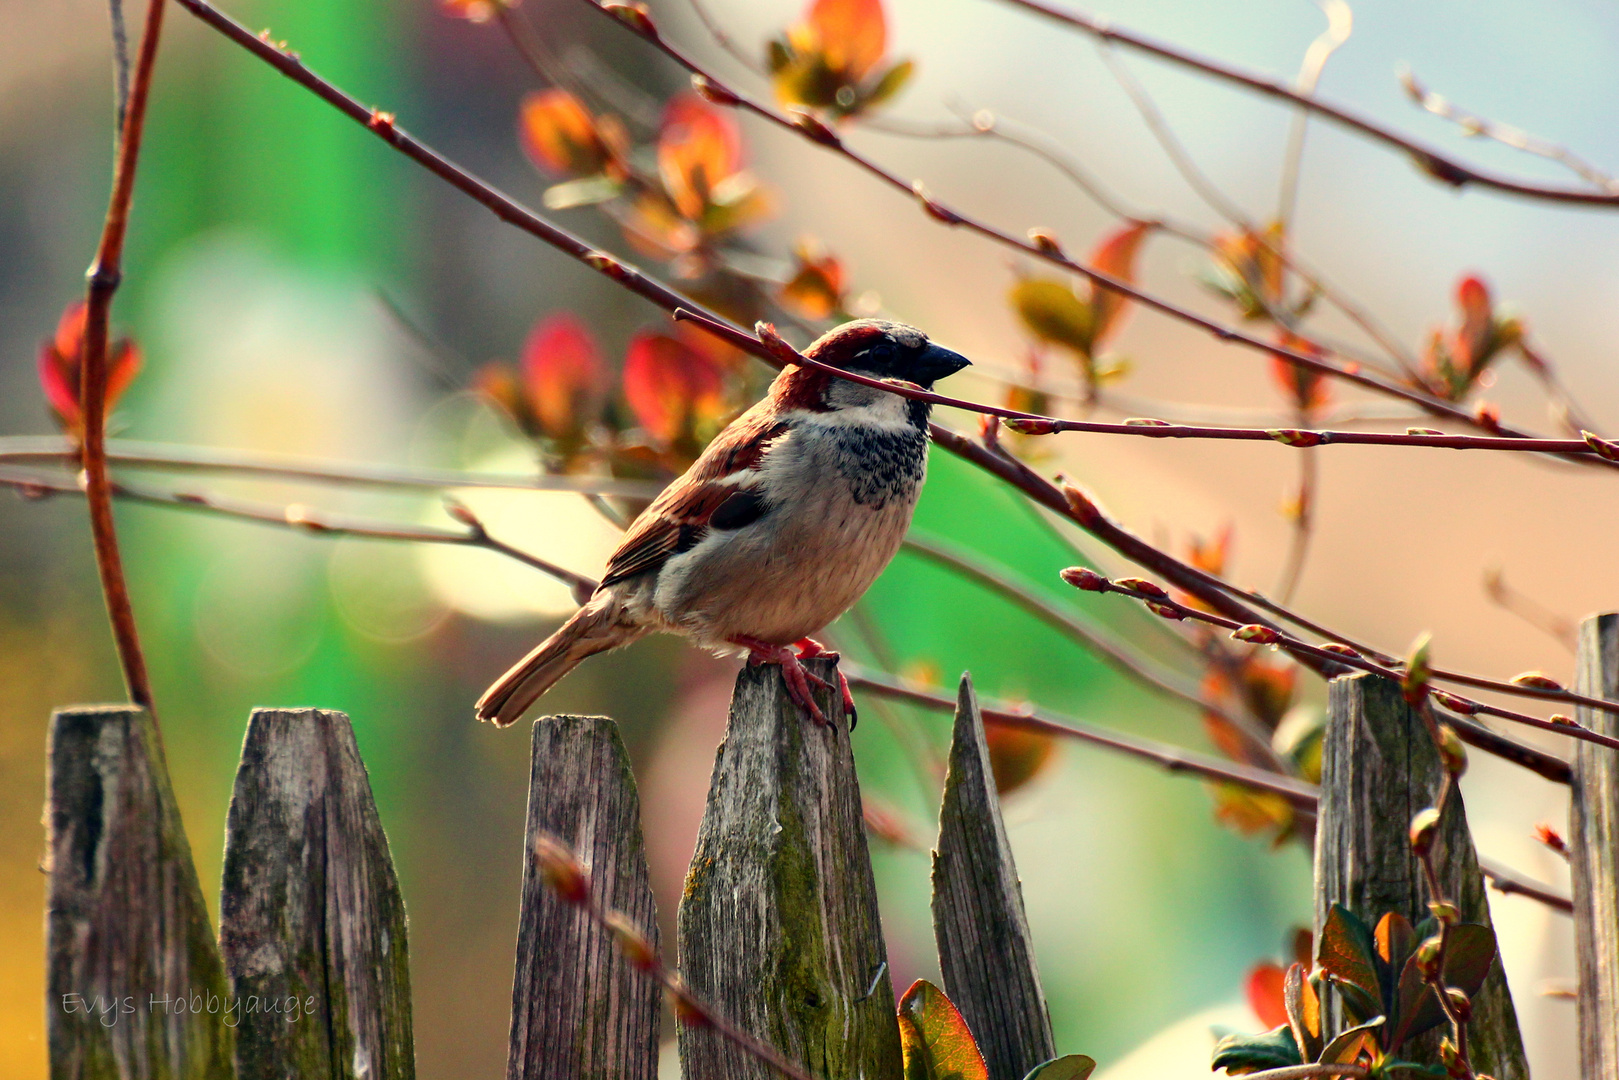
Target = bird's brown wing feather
(689,502)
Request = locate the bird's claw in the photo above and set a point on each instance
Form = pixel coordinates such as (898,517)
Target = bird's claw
(798,678)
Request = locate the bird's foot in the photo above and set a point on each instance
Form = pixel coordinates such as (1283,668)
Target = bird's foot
(808,647)
(798,678)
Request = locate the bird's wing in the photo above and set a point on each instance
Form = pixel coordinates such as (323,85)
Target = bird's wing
(679,517)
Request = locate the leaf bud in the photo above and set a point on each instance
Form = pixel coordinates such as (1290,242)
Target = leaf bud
(1025,425)
(1414,683)
(1454,703)
(1423,431)
(1046,242)
(1167,611)
(561,870)
(631,942)
(1446,912)
(1427,956)
(713,93)
(1081,578)
(1451,750)
(635,16)
(1080,503)
(1603,447)
(685,1007)
(1460,1003)
(814,127)
(1424,827)
(1338,648)
(1562,720)
(1145,421)
(1536,680)
(935,209)
(1255,634)
(1296,437)
(1143,586)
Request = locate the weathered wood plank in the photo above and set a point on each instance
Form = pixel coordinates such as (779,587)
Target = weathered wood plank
(1594,854)
(134,984)
(311,921)
(579,1011)
(1379,768)
(779,927)
(985,951)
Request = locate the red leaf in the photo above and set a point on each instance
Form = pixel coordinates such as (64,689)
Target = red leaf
(61,363)
(671,387)
(1115,255)
(564,379)
(1265,994)
(475,11)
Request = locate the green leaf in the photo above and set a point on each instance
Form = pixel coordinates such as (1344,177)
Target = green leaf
(1468,956)
(1067,1067)
(1051,312)
(1238,1054)
(778,56)
(935,1040)
(889,85)
(586,191)
(1348,952)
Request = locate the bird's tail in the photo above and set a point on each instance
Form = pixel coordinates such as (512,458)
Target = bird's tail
(594,628)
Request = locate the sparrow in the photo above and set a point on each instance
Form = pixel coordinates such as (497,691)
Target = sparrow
(778,528)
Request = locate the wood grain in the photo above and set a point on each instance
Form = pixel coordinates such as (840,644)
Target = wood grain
(985,951)
(312,924)
(779,927)
(1379,767)
(134,983)
(1594,853)
(579,1011)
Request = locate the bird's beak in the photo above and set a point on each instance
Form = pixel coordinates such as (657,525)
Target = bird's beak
(936,362)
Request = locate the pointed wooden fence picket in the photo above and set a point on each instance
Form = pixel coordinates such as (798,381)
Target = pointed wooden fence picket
(778,928)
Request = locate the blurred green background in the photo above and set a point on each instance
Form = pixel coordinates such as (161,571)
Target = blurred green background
(266,227)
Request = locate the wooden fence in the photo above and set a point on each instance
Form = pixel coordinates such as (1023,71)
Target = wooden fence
(778,927)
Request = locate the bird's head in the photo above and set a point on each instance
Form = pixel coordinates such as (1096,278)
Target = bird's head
(886,350)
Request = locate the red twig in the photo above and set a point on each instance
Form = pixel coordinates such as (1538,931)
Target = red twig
(1162,604)
(105,274)
(570,881)
(1436,164)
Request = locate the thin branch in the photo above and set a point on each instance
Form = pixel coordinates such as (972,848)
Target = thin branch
(1178,155)
(1117,655)
(105,274)
(993,461)
(169,457)
(1481,127)
(1173,758)
(120,64)
(570,881)
(1559,626)
(1303,511)
(1438,165)
(1507,881)
(303,518)
(1169,608)
(1340,23)
(723,39)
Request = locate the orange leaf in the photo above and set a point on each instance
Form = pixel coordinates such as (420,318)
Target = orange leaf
(698,148)
(61,363)
(564,379)
(1017,755)
(1306,389)
(816,288)
(935,1040)
(1265,994)
(852,35)
(561,136)
(1115,255)
(671,387)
